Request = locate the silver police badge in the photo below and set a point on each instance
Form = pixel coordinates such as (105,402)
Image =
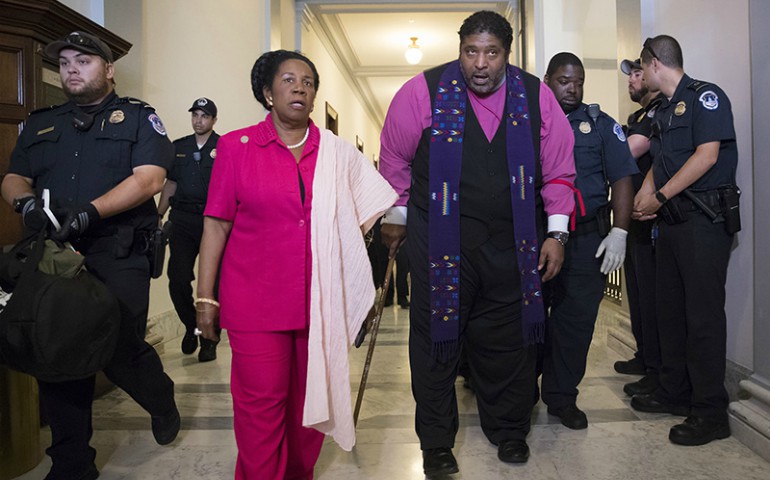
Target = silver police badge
(213,153)
(709,100)
(585,127)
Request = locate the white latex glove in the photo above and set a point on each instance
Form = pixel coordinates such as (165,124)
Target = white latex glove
(614,249)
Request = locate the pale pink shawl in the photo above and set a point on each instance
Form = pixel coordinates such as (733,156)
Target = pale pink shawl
(348,194)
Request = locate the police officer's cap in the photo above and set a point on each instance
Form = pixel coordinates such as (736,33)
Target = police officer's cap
(82,42)
(628,66)
(206,104)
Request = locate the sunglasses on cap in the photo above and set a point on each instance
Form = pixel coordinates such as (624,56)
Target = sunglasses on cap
(648,46)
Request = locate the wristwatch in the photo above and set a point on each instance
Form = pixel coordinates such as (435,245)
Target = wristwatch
(560,237)
(660,197)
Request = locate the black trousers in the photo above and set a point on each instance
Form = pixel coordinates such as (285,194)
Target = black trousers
(135,367)
(640,287)
(575,295)
(503,371)
(184,245)
(692,262)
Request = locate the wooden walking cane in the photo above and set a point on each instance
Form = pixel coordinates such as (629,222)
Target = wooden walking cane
(373,328)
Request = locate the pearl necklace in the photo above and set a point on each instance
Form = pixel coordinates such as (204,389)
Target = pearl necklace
(302,142)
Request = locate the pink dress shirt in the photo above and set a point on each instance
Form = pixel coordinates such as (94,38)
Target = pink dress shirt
(265,275)
(409,114)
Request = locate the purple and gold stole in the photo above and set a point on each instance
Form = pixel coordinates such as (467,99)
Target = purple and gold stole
(446,150)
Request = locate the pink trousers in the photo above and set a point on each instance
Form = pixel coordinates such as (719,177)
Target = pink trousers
(267,381)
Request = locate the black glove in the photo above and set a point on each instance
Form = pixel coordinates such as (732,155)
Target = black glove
(32,214)
(75,221)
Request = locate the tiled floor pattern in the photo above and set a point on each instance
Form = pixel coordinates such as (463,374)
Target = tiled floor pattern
(619,443)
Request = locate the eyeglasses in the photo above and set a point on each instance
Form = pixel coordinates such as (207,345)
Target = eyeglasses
(648,45)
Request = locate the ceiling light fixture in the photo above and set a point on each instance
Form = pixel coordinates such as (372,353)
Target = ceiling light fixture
(413,53)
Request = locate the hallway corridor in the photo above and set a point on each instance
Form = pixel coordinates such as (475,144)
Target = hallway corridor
(618,444)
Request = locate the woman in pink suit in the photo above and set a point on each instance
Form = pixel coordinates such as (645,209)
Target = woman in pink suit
(286,207)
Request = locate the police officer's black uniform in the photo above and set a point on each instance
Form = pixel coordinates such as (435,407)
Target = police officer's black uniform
(692,256)
(192,173)
(640,259)
(578,289)
(78,166)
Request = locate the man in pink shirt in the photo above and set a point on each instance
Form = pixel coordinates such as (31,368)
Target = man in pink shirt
(481,156)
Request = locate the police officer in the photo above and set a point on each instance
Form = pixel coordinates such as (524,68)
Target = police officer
(640,259)
(692,188)
(185,190)
(103,158)
(602,159)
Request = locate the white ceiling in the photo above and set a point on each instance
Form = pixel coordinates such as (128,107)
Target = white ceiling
(368,40)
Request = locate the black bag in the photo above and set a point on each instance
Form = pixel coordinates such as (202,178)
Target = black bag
(53,327)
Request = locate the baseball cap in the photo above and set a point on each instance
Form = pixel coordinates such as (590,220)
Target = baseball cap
(82,42)
(628,66)
(205,104)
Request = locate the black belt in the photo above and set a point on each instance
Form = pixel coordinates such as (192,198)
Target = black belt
(709,198)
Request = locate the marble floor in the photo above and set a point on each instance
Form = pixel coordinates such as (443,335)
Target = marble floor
(618,444)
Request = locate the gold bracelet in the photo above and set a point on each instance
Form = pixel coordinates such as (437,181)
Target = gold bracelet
(207,300)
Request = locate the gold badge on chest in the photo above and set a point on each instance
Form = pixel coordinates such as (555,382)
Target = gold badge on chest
(585,127)
(117,116)
(681,107)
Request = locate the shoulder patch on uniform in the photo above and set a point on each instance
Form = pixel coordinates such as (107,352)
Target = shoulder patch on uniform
(709,99)
(697,85)
(618,131)
(157,124)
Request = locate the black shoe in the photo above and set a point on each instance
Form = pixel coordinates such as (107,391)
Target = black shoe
(647,384)
(648,403)
(166,427)
(635,366)
(698,431)
(439,461)
(403,303)
(513,451)
(388,302)
(90,474)
(189,343)
(208,351)
(571,416)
